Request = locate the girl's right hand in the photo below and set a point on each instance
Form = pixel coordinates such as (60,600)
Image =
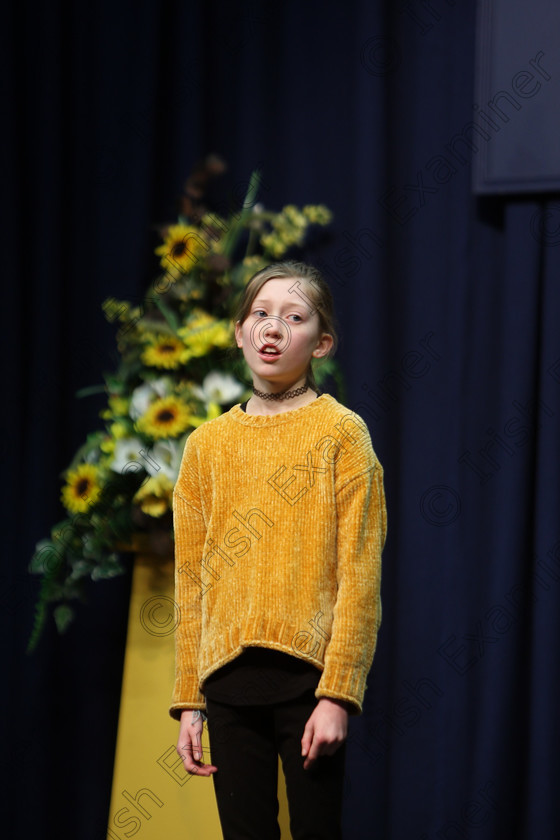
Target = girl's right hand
(189,745)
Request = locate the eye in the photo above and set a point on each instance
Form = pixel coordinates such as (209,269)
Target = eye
(260,313)
(297,318)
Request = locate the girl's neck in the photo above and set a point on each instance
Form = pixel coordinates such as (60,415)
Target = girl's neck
(266,405)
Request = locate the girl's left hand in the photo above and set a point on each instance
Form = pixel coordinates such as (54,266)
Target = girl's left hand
(325,730)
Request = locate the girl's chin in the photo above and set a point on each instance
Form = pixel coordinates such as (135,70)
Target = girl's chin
(276,383)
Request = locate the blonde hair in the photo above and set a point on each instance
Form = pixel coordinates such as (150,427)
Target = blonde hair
(317,291)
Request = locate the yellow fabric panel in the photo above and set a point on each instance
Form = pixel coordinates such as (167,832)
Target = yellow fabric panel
(152,796)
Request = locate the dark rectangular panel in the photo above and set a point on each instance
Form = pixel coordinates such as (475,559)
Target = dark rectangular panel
(515,138)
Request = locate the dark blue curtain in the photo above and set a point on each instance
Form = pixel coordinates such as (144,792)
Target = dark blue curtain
(448,305)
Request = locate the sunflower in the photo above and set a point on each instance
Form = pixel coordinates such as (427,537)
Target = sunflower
(155,495)
(82,489)
(165,418)
(181,249)
(203,333)
(164,352)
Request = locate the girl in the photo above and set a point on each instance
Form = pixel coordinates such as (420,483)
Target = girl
(279,517)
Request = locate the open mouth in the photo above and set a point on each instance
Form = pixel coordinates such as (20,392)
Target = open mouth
(269,350)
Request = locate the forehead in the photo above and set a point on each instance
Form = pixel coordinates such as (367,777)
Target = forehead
(290,289)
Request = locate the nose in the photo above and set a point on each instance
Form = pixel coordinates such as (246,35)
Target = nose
(273,329)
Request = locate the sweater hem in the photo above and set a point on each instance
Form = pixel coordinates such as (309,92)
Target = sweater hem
(254,642)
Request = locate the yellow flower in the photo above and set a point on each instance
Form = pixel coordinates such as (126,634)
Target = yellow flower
(216,335)
(182,247)
(164,352)
(317,214)
(288,229)
(253,263)
(247,267)
(114,308)
(118,430)
(107,445)
(203,333)
(155,495)
(198,321)
(82,489)
(213,411)
(119,406)
(294,216)
(166,417)
(274,245)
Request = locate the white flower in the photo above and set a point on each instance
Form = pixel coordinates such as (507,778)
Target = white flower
(144,394)
(127,450)
(164,458)
(218,388)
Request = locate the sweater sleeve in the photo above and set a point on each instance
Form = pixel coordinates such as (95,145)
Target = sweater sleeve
(190,533)
(361,531)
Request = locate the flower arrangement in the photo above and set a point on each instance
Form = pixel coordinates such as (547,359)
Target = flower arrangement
(176,371)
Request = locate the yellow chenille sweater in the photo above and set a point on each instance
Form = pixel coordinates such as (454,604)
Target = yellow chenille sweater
(279,526)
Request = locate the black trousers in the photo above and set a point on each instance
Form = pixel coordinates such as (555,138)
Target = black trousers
(245,742)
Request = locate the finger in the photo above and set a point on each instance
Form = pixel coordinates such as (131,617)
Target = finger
(312,756)
(196,767)
(312,753)
(200,769)
(309,762)
(307,738)
(188,753)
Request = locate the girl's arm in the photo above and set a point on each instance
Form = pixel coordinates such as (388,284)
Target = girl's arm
(190,534)
(360,537)
(361,531)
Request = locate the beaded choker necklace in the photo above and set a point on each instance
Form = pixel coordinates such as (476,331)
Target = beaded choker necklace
(283,395)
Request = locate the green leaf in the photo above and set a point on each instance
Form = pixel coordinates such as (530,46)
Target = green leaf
(253,189)
(44,551)
(110,568)
(80,569)
(157,326)
(236,226)
(115,385)
(168,314)
(63,616)
(90,390)
(39,618)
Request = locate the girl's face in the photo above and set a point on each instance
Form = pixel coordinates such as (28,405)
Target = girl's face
(282,332)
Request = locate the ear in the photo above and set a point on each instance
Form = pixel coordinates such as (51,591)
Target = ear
(238,334)
(324,346)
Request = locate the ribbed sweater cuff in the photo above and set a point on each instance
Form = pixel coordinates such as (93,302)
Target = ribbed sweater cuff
(339,682)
